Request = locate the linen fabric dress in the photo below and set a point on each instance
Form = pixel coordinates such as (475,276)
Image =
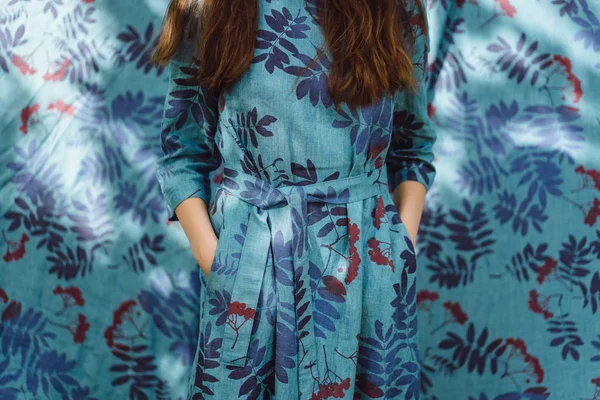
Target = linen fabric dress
(312,291)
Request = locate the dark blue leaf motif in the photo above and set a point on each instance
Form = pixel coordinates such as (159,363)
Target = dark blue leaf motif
(248,126)
(470,231)
(258,376)
(584,18)
(473,352)
(525,262)
(540,174)
(315,80)
(282,23)
(520,64)
(451,272)
(220,305)
(283,253)
(207,359)
(384,374)
(144,252)
(566,336)
(286,350)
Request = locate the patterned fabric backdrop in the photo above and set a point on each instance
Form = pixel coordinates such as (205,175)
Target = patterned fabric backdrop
(99,294)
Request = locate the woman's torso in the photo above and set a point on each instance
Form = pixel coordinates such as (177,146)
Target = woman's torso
(284,132)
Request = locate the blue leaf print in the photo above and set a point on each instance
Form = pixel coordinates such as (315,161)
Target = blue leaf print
(281,23)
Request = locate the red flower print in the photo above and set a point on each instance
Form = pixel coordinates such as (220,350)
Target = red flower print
(3,296)
(378,212)
(59,74)
(546,270)
(26,115)
(454,313)
(334,286)
(236,310)
(589,174)
(15,250)
(377,255)
(505,9)
(78,328)
(376,149)
(62,107)
(11,311)
(110,335)
(593,213)
(532,364)
(218,177)
(82,327)
(87,1)
(71,296)
(425,295)
(331,389)
(379,162)
(539,304)
(508,8)
(353,232)
(596,381)
(431,110)
(125,313)
(23,66)
(565,62)
(425,300)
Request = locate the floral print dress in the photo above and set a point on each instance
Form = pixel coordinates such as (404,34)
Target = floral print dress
(311,294)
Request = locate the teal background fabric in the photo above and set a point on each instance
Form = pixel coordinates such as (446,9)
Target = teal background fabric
(99,295)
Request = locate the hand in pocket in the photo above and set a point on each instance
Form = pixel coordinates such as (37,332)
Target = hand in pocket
(205,252)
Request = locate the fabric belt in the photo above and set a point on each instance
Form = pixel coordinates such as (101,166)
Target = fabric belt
(280,214)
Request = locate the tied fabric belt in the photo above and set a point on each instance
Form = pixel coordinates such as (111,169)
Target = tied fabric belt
(279,215)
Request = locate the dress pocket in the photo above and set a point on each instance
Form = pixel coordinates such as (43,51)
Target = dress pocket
(403,250)
(396,225)
(216,210)
(220,252)
(405,233)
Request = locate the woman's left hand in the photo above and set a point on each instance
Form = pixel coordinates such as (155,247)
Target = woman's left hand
(409,198)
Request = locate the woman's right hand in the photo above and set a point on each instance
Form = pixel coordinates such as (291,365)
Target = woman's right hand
(195,220)
(204,253)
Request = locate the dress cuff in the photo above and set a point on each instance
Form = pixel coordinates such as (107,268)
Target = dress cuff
(418,171)
(177,188)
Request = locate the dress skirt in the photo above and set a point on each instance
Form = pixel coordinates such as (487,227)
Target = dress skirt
(311,294)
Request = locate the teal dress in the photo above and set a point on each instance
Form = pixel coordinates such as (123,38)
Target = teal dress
(311,294)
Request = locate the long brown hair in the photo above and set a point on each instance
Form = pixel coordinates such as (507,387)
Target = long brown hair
(370,42)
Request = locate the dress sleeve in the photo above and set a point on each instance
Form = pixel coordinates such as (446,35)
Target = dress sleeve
(189,124)
(410,155)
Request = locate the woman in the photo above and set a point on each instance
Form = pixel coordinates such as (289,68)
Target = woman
(319,113)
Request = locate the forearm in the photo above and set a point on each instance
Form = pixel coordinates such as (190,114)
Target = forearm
(409,198)
(195,220)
